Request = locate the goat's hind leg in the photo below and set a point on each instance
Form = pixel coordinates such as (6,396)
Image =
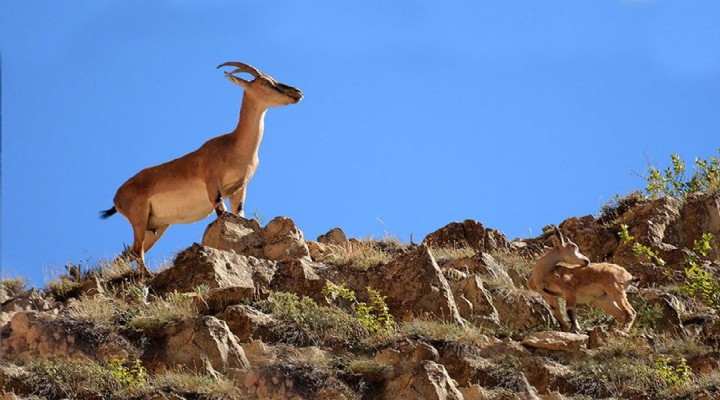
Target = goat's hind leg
(570,304)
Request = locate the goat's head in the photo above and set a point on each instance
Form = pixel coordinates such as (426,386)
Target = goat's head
(263,88)
(567,251)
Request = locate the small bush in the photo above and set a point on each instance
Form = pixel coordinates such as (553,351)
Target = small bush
(363,255)
(304,322)
(672,181)
(375,318)
(699,281)
(14,286)
(185,382)
(154,315)
(674,375)
(73,379)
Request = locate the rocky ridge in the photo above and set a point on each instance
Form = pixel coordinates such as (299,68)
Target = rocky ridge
(249,307)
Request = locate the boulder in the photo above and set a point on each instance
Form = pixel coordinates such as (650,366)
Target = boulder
(236,234)
(415,287)
(36,334)
(595,241)
(473,301)
(520,309)
(203,345)
(201,265)
(284,241)
(700,213)
(248,324)
(428,380)
(491,269)
(300,277)
(557,341)
(335,236)
(468,233)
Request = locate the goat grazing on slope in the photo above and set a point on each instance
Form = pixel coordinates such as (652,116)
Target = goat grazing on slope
(602,284)
(189,188)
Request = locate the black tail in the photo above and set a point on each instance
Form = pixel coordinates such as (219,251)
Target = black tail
(108,213)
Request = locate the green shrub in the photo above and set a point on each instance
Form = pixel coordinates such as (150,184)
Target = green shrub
(375,318)
(673,374)
(302,321)
(699,281)
(672,181)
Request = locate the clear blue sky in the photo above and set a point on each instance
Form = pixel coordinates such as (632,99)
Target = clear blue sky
(515,113)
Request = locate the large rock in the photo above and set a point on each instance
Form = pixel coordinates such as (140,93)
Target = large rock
(558,341)
(335,236)
(31,300)
(415,287)
(700,213)
(201,265)
(300,277)
(284,241)
(248,324)
(203,345)
(233,233)
(520,309)
(594,240)
(428,380)
(468,233)
(473,301)
(35,334)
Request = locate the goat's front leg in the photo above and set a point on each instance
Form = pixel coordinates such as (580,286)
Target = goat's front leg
(555,309)
(216,199)
(570,303)
(237,201)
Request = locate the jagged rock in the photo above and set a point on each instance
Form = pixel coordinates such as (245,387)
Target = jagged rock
(594,240)
(473,301)
(204,345)
(201,265)
(546,375)
(288,380)
(700,213)
(248,323)
(335,236)
(32,333)
(322,252)
(428,380)
(490,268)
(558,341)
(284,241)
(520,309)
(415,287)
(300,277)
(468,233)
(233,233)
(31,300)
(217,299)
(671,308)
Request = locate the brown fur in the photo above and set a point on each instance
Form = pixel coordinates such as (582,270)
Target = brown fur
(601,284)
(189,188)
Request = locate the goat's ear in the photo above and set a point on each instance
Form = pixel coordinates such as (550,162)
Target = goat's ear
(559,236)
(555,241)
(238,81)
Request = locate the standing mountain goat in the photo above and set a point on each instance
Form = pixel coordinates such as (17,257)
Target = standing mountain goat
(602,284)
(189,188)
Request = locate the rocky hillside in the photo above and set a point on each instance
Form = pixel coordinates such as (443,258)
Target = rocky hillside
(263,313)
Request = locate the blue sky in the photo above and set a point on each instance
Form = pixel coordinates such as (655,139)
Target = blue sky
(518,114)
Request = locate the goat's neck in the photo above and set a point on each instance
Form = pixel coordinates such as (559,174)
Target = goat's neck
(544,265)
(249,130)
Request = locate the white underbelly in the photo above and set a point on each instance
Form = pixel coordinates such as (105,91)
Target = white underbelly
(182,205)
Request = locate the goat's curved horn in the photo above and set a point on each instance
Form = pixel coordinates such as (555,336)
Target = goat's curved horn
(559,235)
(242,67)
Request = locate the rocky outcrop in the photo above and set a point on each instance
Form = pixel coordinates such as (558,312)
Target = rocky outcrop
(36,334)
(415,287)
(468,233)
(558,341)
(201,265)
(280,240)
(205,345)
